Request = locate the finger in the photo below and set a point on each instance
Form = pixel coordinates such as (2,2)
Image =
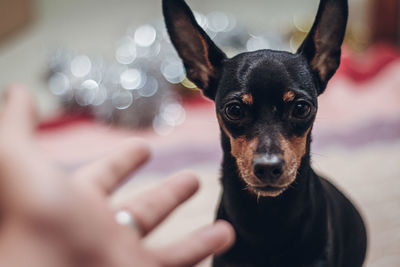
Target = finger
(110,172)
(213,239)
(19,113)
(152,207)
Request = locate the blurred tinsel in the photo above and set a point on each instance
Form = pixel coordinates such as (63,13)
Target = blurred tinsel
(145,83)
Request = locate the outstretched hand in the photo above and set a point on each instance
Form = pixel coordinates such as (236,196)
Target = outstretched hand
(49,217)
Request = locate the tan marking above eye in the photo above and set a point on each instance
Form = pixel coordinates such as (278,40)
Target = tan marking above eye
(288,96)
(247,99)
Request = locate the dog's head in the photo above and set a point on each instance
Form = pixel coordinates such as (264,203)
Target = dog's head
(266,101)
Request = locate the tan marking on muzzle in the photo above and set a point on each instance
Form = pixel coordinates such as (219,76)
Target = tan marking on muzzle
(288,96)
(247,99)
(294,150)
(243,150)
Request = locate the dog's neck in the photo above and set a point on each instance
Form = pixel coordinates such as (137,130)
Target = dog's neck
(279,218)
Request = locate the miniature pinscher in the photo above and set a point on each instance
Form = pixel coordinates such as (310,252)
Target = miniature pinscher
(283,213)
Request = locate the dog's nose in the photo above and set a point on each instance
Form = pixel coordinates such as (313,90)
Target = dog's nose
(268,168)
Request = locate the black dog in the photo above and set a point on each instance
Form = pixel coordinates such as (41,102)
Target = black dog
(266,101)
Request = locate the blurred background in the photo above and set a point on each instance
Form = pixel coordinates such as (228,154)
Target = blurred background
(103,71)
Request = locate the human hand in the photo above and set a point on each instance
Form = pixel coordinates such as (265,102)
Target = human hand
(51,218)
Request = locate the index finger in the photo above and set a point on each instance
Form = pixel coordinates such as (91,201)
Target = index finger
(109,172)
(19,115)
(152,207)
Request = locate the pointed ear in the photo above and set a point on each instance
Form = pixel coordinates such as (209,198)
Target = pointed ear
(322,46)
(202,58)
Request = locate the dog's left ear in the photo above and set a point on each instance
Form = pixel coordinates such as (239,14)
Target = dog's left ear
(322,46)
(201,57)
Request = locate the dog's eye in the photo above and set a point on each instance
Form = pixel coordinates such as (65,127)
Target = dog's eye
(302,109)
(234,111)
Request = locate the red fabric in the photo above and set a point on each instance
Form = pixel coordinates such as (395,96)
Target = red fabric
(361,68)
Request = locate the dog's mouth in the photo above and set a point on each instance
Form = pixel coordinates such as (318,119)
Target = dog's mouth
(268,190)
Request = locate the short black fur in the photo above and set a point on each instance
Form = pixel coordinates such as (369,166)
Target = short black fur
(266,103)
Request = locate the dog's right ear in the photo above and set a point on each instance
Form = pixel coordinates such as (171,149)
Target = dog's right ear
(202,58)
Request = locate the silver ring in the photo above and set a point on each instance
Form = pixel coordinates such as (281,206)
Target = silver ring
(125,218)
